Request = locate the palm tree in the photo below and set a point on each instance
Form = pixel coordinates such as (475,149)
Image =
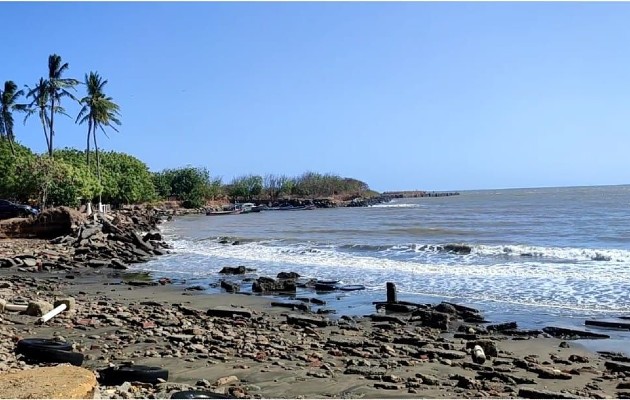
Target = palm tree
(8,98)
(39,104)
(99,111)
(57,88)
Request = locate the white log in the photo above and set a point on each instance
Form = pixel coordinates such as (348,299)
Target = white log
(15,307)
(53,312)
(478,355)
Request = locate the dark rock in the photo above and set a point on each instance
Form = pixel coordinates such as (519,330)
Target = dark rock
(505,377)
(564,333)
(240,270)
(446,354)
(288,275)
(432,319)
(387,318)
(195,288)
(231,312)
(457,248)
(608,324)
(531,393)
(262,285)
(230,286)
(152,236)
(343,341)
(617,366)
(292,306)
(502,327)
(304,320)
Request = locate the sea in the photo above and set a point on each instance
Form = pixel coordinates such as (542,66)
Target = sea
(539,257)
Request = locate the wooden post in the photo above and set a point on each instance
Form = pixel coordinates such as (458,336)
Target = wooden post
(391,292)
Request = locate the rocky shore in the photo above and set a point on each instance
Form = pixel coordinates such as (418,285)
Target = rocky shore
(243,346)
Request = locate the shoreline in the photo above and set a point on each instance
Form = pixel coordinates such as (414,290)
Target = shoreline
(286,353)
(357,357)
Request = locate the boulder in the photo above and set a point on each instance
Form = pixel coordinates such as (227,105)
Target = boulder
(37,308)
(70,303)
(288,275)
(262,285)
(59,382)
(230,286)
(240,270)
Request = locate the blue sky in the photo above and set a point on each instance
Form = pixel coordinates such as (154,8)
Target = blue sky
(437,96)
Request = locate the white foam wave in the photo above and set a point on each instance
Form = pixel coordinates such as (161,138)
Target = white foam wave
(587,285)
(558,253)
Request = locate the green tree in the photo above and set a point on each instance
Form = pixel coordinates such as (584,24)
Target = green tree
(99,111)
(14,182)
(57,87)
(8,104)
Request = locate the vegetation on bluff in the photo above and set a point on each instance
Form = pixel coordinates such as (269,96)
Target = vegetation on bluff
(68,177)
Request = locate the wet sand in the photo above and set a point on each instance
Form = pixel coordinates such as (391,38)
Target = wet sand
(272,357)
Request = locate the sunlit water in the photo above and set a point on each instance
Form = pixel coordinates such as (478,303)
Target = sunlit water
(539,256)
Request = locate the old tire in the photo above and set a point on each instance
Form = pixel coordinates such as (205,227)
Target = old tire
(114,376)
(199,394)
(50,344)
(48,351)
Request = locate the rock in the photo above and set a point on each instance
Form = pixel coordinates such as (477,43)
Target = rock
(292,306)
(288,275)
(432,319)
(227,380)
(617,366)
(304,320)
(262,285)
(447,354)
(59,382)
(344,341)
(3,304)
(230,286)
(531,393)
(240,270)
(564,333)
(502,327)
(608,324)
(505,377)
(428,379)
(70,303)
(578,358)
(117,264)
(457,248)
(154,235)
(230,312)
(29,261)
(38,308)
(387,318)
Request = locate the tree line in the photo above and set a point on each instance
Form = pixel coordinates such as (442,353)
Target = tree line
(67,177)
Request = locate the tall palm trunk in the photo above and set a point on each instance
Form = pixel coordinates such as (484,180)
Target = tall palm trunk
(87,153)
(42,117)
(52,119)
(98,170)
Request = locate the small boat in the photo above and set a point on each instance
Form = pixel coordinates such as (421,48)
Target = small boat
(231,212)
(247,208)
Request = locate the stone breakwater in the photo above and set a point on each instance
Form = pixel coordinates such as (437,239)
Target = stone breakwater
(112,240)
(245,352)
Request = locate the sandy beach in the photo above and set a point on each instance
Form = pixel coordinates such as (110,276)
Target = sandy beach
(275,354)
